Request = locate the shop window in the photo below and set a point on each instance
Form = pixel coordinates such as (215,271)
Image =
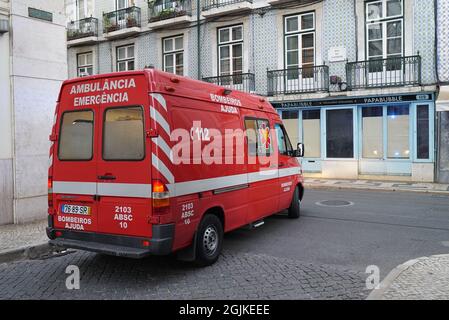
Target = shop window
(291,124)
(422,128)
(372,133)
(311,128)
(339,133)
(398,130)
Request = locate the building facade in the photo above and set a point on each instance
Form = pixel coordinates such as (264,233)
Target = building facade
(33,62)
(354,80)
(442,108)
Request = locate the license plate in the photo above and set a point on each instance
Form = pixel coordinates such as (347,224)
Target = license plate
(75,209)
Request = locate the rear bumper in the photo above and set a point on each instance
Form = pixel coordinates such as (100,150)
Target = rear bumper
(117,245)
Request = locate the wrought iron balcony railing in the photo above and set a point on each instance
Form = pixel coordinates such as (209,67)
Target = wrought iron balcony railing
(83,28)
(161,9)
(121,19)
(209,4)
(298,80)
(239,81)
(390,72)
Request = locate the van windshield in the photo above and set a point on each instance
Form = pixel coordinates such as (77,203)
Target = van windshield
(76,136)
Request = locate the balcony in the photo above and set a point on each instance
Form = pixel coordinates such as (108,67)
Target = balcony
(240,81)
(81,32)
(214,8)
(123,22)
(298,80)
(381,73)
(163,13)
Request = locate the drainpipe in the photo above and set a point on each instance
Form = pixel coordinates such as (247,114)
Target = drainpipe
(198,32)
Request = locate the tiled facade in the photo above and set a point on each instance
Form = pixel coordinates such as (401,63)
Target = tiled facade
(338,23)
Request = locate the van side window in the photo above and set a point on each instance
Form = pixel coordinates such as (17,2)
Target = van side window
(123,134)
(259,137)
(76,136)
(284,144)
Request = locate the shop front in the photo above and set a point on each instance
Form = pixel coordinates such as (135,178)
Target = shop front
(380,137)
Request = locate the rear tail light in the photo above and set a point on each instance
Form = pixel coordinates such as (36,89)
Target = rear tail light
(50,194)
(161,197)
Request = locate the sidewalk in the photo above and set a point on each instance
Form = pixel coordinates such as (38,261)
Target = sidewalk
(314,183)
(426,278)
(19,241)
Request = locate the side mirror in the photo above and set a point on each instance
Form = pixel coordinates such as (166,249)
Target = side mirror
(299,150)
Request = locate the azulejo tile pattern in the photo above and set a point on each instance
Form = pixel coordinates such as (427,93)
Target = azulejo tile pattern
(263,51)
(443,40)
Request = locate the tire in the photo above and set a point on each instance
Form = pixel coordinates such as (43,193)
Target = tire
(209,241)
(295,207)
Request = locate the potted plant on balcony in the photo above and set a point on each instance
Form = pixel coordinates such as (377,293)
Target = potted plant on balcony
(108,25)
(131,21)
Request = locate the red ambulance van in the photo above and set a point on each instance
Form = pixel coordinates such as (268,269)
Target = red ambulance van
(147,162)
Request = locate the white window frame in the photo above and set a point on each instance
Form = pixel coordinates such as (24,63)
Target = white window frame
(383,22)
(127,4)
(384,10)
(83,68)
(299,33)
(230,43)
(174,52)
(127,59)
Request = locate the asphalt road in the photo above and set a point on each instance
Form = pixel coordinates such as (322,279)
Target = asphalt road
(324,255)
(379,228)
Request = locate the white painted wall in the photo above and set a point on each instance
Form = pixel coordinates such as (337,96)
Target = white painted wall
(38,66)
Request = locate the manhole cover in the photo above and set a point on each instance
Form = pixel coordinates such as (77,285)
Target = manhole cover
(335,203)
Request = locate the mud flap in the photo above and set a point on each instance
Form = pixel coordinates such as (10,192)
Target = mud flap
(189,253)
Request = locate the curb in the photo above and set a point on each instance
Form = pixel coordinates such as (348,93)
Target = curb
(26,252)
(377,294)
(339,187)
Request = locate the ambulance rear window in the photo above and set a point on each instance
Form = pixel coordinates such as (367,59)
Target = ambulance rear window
(76,136)
(123,134)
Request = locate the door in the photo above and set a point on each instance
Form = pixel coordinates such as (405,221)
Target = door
(124,171)
(287,165)
(300,60)
(262,166)
(75,170)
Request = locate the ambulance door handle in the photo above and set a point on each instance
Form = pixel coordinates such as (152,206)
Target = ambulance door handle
(106,177)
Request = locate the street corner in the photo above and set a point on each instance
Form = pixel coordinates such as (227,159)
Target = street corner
(424,278)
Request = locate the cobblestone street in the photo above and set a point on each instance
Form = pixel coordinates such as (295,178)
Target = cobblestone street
(235,276)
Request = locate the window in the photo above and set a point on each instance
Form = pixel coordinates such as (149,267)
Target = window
(398,130)
(230,50)
(300,44)
(291,123)
(372,132)
(384,28)
(284,144)
(339,133)
(311,127)
(76,136)
(422,127)
(125,58)
(85,64)
(258,136)
(173,55)
(122,4)
(123,134)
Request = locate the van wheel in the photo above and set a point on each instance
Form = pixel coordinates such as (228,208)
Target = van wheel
(209,240)
(295,206)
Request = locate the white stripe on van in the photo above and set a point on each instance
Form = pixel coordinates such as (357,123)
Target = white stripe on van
(176,189)
(159,99)
(134,190)
(164,146)
(88,188)
(160,166)
(156,116)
